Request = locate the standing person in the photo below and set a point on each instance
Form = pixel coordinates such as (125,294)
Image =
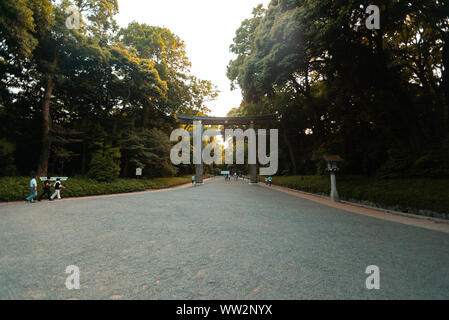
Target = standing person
(58,186)
(47,185)
(269,180)
(266,180)
(193,179)
(33,189)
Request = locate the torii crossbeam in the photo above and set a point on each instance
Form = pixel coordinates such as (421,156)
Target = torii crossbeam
(225,121)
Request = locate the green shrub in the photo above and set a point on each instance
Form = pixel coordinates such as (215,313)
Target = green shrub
(7,167)
(16,188)
(401,194)
(103,166)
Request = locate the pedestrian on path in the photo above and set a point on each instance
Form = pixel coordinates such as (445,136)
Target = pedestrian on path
(58,186)
(33,189)
(47,185)
(269,181)
(193,179)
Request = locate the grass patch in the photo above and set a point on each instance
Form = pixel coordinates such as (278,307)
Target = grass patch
(16,188)
(407,195)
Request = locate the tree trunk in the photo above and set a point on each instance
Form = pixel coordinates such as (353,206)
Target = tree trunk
(290,150)
(46,126)
(446,82)
(42,167)
(84,159)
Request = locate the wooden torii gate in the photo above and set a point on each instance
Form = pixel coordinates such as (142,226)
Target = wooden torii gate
(224,121)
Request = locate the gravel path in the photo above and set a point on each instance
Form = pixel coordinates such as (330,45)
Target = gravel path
(223,240)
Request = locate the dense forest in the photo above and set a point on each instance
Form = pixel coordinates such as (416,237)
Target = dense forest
(101,100)
(96,100)
(378,98)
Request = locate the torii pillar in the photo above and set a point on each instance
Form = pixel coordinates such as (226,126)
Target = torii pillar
(227,121)
(253,167)
(199,167)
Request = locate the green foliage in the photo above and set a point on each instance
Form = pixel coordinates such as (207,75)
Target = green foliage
(17,27)
(408,195)
(398,164)
(378,98)
(7,167)
(147,149)
(17,188)
(99,81)
(105,165)
(167,50)
(434,161)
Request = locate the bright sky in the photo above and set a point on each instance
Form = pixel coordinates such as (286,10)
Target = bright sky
(207,27)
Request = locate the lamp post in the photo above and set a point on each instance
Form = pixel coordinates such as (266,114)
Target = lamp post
(332,167)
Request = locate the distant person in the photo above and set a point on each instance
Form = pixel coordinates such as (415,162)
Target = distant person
(269,181)
(58,186)
(33,189)
(47,186)
(266,180)
(193,179)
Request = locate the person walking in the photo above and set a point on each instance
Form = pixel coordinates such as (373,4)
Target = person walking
(33,189)
(58,186)
(269,181)
(193,179)
(47,185)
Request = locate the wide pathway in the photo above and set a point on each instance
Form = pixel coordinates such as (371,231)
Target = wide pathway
(223,240)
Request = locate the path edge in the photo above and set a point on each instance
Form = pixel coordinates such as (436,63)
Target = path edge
(113,195)
(426,222)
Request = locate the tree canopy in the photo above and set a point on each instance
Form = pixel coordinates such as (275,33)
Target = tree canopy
(379,98)
(68,96)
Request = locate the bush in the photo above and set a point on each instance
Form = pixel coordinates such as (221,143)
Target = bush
(408,195)
(16,188)
(103,166)
(7,167)
(148,149)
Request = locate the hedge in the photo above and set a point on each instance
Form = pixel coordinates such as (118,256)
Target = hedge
(17,188)
(406,195)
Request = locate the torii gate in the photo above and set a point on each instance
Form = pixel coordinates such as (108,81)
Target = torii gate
(224,121)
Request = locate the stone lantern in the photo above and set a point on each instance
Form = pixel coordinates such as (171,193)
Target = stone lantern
(332,167)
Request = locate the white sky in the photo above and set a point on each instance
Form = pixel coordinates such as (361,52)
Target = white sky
(207,27)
